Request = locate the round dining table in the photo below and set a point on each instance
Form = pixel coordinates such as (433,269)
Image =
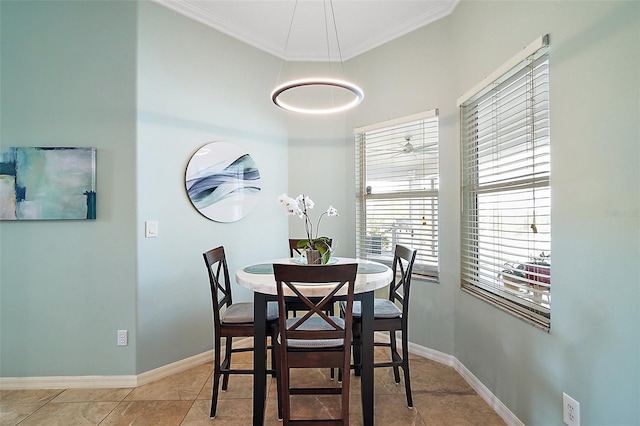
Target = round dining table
(260,279)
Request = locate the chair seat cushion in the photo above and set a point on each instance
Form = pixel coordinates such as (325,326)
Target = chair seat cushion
(382,308)
(315,323)
(242,313)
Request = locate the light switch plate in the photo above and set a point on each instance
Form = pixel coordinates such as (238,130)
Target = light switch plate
(151,229)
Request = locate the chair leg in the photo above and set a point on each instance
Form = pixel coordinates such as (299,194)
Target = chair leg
(394,355)
(227,360)
(274,365)
(216,377)
(285,382)
(277,367)
(357,348)
(405,369)
(332,374)
(345,401)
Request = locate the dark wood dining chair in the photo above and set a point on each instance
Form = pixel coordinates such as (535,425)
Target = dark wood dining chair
(315,339)
(390,315)
(230,320)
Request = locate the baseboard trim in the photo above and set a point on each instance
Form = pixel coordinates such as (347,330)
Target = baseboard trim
(174,367)
(440,357)
(88,382)
(77,382)
(484,392)
(68,382)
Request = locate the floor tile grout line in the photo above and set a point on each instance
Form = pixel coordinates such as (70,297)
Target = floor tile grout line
(42,406)
(418,415)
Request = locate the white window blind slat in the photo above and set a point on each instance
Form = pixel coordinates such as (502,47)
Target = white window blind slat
(506,217)
(397,182)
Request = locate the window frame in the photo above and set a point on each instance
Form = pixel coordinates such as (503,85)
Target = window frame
(523,290)
(426,266)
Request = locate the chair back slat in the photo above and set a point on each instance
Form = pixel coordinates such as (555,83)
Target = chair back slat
(403,261)
(314,308)
(220,285)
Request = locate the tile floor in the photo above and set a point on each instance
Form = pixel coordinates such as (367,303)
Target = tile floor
(441,397)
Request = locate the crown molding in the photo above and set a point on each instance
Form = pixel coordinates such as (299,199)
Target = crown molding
(192,10)
(444,8)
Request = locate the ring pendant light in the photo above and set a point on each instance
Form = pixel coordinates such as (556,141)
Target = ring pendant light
(317,81)
(356,95)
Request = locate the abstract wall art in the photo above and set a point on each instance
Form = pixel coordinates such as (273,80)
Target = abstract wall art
(223,182)
(47,183)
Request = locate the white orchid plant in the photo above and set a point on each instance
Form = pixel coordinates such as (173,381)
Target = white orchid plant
(300,207)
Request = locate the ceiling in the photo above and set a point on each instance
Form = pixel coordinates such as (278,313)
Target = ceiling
(361,24)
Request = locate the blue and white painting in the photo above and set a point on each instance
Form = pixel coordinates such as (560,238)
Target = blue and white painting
(47,183)
(223,182)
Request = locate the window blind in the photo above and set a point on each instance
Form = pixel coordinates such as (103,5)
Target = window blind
(397,183)
(506,200)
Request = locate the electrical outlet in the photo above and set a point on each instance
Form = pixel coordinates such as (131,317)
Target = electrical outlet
(122,338)
(570,410)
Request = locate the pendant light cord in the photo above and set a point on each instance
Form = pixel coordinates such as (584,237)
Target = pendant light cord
(326,31)
(335,28)
(332,83)
(286,43)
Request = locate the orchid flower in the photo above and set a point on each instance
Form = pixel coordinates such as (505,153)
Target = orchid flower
(299,206)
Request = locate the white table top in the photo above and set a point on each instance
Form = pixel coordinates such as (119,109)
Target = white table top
(259,276)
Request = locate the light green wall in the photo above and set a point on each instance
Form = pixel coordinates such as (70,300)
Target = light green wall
(147,87)
(195,85)
(593,350)
(68,79)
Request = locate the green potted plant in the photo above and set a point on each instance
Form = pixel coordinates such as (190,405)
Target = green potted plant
(317,249)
